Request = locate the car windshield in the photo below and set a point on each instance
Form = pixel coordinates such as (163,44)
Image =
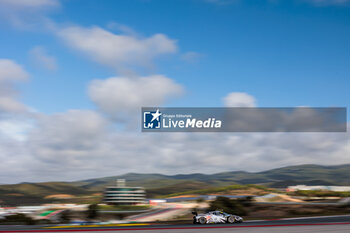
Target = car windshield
(223,213)
(218,213)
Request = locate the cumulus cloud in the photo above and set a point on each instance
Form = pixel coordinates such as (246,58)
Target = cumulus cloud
(13,119)
(80,144)
(285,119)
(120,96)
(239,99)
(71,130)
(26,13)
(15,128)
(67,150)
(10,73)
(62,139)
(10,105)
(31,4)
(118,51)
(41,59)
(122,28)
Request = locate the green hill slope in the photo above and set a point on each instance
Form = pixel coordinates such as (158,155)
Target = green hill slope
(302,174)
(159,184)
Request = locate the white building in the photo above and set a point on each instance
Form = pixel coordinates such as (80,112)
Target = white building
(123,195)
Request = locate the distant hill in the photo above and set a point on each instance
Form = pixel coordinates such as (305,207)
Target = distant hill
(35,193)
(283,177)
(335,175)
(159,184)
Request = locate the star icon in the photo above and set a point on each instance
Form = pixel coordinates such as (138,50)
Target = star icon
(156,115)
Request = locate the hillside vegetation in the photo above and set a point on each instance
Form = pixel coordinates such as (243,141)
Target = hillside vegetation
(181,184)
(247,189)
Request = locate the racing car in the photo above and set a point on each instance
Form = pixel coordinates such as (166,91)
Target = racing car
(215,217)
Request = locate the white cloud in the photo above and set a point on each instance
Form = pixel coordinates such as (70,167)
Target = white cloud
(25,4)
(40,58)
(15,128)
(65,139)
(10,73)
(80,144)
(121,28)
(74,129)
(119,96)
(26,14)
(121,52)
(11,105)
(239,99)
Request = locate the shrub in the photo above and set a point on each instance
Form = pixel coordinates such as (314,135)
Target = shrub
(18,219)
(228,205)
(92,211)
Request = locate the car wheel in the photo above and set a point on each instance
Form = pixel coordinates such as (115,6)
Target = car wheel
(231,219)
(202,220)
(195,220)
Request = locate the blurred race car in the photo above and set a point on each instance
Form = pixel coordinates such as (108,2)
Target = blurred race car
(215,217)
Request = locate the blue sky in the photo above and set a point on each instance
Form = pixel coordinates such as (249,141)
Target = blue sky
(284,53)
(75,73)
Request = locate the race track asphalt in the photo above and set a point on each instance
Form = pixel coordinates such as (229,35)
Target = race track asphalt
(336,224)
